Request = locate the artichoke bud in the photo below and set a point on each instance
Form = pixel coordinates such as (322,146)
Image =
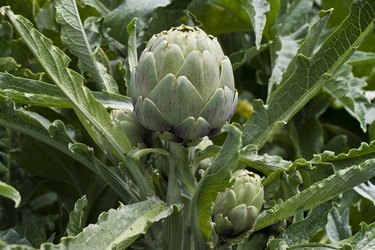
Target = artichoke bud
(236,209)
(129,123)
(183,84)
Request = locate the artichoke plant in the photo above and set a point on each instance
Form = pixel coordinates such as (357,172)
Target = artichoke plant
(183,84)
(236,209)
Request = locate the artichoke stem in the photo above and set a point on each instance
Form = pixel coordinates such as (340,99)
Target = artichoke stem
(173,235)
(173,192)
(178,234)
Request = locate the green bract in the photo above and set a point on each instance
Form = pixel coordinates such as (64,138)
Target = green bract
(237,208)
(183,84)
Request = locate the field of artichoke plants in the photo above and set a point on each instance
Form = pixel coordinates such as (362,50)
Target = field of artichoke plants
(187,124)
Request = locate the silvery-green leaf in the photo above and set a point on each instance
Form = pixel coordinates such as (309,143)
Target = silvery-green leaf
(77,217)
(338,227)
(39,93)
(348,92)
(366,190)
(256,10)
(318,193)
(306,75)
(364,239)
(95,118)
(73,35)
(117,228)
(55,135)
(344,160)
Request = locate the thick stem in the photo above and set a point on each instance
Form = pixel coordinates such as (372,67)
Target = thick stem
(173,237)
(188,240)
(173,192)
(178,234)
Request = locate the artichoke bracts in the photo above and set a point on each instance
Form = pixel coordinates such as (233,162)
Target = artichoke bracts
(183,84)
(237,208)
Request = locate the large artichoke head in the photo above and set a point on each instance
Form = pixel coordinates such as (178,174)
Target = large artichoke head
(183,84)
(236,209)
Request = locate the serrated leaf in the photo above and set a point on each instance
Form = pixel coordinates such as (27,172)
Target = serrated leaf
(77,217)
(284,183)
(256,10)
(338,227)
(215,180)
(348,91)
(92,114)
(281,245)
(303,231)
(283,50)
(73,35)
(309,74)
(261,125)
(55,135)
(5,246)
(364,239)
(10,192)
(287,46)
(39,93)
(318,193)
(366,190)
(354,157)
(117,228)
(296,13)
(264,163)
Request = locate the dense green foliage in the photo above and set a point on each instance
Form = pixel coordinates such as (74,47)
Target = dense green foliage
(77,171)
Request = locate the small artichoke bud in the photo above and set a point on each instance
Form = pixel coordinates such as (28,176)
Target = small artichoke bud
(183,84)
(236,209)
(129,123)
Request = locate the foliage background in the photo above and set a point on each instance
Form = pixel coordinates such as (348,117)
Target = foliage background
(261,38)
